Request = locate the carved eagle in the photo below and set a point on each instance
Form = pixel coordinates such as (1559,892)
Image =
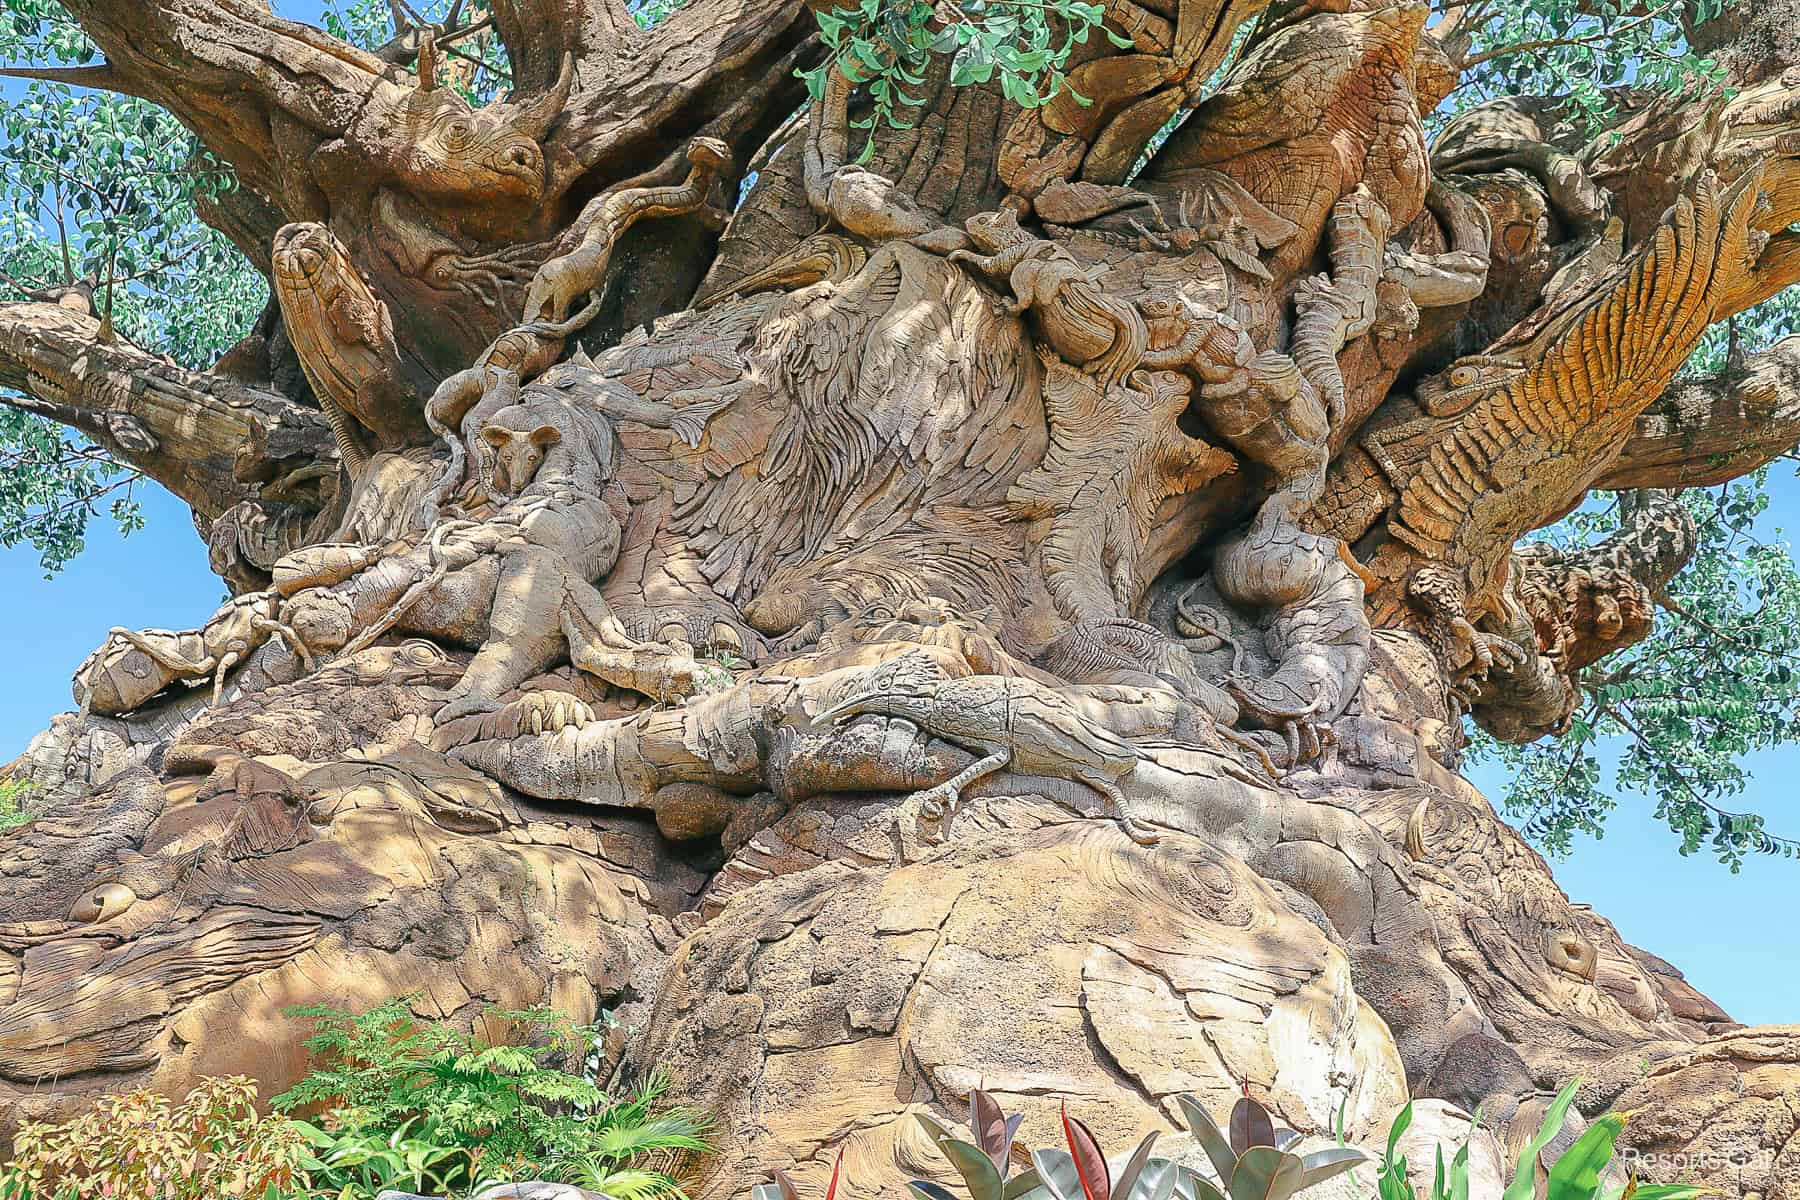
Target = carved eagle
(1563,392)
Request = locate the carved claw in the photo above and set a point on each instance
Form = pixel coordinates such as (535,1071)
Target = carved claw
(1509,653)
(935,803)
(539,712)
(228,661)
(1482,657)
(287,634)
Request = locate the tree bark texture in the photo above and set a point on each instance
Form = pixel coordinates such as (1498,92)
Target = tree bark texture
(976,613)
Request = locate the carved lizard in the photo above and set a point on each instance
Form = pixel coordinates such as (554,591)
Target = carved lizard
(344,337)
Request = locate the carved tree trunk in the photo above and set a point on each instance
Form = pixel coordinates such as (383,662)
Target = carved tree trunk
(892,632)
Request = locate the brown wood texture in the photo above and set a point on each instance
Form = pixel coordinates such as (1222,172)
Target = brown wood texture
(965,613)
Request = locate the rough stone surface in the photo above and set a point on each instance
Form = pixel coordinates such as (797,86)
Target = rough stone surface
(926,618)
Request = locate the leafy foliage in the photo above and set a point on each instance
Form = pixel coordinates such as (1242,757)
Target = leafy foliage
(425,1107)
(12,804)
(1250,1159)
(1584,53)
(52,483)
(99,193)
(143,1146)
(474,61)
(1678,715)
(887,45)
(1575,1175)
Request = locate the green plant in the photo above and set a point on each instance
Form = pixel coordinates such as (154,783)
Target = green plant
(1575,1175)
(12,811)
(142,1146)
(423,1106)
(887,45)
(357,1162)
(1250,1160)
(1447,1184)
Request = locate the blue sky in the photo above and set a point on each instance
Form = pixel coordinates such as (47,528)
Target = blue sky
(1732,935)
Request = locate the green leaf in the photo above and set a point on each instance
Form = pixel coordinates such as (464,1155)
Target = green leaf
(1089,1160)
(1524,1182)
(1190,1186)
(1056,1168)
(1021,1184)
(1321,1165)
(1126,1178)
(1576,1173)
(1211,1138)
(976,1168)
(924,1189)
(1265,1173)
(1251,1126)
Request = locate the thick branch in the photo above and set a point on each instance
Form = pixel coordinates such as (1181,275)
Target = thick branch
(1706,431)
(537,34)
(715,68)
(186,430)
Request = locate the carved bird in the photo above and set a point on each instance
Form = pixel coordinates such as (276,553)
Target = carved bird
(1011,722)
(1565,392)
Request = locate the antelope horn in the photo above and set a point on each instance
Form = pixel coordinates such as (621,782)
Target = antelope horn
(428,60)
(535,118)
(1416,848)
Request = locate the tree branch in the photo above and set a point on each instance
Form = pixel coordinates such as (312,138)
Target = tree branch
(1707,431)
(188,431)
(537,33)
(689,77)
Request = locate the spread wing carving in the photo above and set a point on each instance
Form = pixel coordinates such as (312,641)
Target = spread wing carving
(1587,369)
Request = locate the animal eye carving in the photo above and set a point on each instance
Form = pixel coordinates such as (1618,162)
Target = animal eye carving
(458,133)
(1464,376)
(103,903)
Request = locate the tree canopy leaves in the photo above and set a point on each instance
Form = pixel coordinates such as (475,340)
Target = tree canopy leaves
(99,195)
